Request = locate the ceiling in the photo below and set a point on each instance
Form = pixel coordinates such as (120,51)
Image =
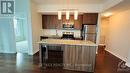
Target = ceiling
(69,1)
(101,6)
(122,6)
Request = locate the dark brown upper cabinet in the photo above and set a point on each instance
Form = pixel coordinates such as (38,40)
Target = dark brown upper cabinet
(78,23)
(90,18)
(44,21)
(51,22)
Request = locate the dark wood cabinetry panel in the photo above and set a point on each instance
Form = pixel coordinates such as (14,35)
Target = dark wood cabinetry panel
(57,22)
(44,21)
(50,22)
(64,19)
(90,18)
(78,23)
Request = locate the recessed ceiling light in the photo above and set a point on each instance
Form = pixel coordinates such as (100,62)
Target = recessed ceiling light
(107,14)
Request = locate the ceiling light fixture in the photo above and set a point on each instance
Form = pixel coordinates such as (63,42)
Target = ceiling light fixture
(67,12)
(59,15)
(75,15)
(67,15)
(107,14)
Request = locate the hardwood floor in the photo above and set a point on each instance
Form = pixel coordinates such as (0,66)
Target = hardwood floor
(23,63)
(107,63)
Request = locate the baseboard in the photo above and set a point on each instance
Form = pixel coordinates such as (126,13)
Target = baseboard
(123,59)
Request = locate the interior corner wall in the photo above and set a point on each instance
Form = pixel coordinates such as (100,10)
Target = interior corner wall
(118,35)
(98,29)
(103,30)
(36,20)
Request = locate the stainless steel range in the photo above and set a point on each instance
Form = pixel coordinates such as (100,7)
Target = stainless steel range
(68,35)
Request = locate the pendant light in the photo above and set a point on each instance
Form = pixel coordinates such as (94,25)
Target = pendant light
(59,15)
(75,15)
(67,15)
(67,12)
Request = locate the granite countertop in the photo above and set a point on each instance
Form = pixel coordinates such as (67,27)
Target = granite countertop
(67,42)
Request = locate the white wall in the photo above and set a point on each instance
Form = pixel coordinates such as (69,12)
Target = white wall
(118,35)
(103,30)
(36,20)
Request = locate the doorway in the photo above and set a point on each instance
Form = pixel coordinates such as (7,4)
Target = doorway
(20,35)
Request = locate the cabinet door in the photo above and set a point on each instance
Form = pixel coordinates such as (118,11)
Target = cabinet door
(44,21)
(90,18)
(49,21)
(52,21)
(79,57)
(58,23)
(78,23)
(64,19)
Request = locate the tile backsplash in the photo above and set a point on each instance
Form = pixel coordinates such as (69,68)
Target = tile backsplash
(52,32)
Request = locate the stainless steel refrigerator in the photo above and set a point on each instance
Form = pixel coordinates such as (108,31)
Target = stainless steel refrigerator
(89,32)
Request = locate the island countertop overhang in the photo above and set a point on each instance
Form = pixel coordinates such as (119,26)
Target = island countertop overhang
(67,42)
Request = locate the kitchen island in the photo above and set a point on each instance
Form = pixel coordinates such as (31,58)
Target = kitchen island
(78,55)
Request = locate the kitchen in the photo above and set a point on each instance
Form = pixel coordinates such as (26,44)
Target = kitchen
(54,27)
(61,36)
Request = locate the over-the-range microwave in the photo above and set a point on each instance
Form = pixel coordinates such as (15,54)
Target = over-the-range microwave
(68,26)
